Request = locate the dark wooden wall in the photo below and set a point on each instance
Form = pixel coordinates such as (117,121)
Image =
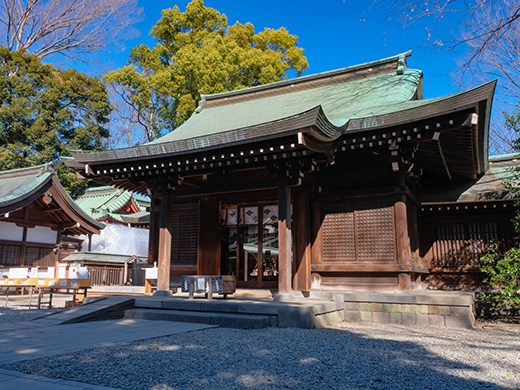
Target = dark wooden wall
(453,241)
(354,243)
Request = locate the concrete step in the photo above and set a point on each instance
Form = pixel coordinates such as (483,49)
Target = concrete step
(226,320)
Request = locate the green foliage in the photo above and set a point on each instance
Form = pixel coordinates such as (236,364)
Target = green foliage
(512,124)
(503,275)
(198,53)
(45,111)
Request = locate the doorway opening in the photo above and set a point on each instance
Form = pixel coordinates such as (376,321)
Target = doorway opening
(250,244)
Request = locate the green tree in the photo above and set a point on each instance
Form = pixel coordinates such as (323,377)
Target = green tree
(502,270)
(198,53)
(503,275)
(45,111)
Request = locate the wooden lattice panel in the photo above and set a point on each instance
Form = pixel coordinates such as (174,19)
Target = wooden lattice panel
(185,233)
(9,255)
(375,231)
(358,231)
(39,257)
(338,233)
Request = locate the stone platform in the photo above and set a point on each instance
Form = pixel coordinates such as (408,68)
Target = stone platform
(421,307)
(448,309)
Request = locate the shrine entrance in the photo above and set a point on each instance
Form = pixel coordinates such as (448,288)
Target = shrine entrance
(250,244)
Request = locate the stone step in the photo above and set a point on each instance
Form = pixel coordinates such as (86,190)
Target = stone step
(226,320)
(306,314)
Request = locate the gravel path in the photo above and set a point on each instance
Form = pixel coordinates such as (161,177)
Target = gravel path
(346,356)
(17,309)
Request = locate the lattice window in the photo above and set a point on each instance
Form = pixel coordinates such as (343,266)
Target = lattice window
(10,255)
(462,244)
(185,235)
(39,256)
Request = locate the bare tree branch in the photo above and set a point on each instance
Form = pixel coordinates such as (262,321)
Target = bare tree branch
(489,33)
(68,27)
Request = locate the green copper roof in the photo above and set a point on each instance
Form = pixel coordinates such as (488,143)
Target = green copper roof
(340,102)
(21,187)
(324,106)
(489,187)
(20,183)
(106,202)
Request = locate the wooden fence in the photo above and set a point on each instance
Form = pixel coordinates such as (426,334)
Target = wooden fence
(106,276)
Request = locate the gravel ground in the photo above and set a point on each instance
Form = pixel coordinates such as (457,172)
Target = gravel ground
(346,356)
(17,309)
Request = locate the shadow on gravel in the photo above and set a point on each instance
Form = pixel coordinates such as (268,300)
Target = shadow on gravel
(265,359)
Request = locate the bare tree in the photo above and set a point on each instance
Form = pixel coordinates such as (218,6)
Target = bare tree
(68,27)
(124,127)
(488,32)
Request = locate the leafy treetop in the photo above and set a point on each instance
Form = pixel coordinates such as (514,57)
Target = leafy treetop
(198,53)
(45,111)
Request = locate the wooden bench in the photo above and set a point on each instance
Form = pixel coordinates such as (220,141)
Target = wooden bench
(52,287)
(60,291)
(208,284)
(24,283)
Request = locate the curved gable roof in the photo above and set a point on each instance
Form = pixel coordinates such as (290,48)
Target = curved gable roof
(21,187)
(339,102)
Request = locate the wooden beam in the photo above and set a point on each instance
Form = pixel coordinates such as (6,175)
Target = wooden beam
(403,243)
(165,242)
(364,267)
(284,233)
(153,232)
(23,247)
(302,242)
(260,257)
(317,234)
(32,223)
(208,249)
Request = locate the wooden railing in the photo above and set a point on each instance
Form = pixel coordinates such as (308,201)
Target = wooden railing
(463,244)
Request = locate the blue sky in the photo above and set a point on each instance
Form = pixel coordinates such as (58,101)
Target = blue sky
(334,34)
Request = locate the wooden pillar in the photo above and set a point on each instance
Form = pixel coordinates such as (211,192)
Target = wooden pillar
(153,234)
(302,242)
(208,251)
(23,247)
(284,234)
(403,243)
(164,245)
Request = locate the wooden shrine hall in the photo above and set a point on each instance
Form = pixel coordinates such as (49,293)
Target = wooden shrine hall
(314,183)
(38,219)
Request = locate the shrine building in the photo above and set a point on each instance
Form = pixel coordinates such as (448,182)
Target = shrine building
(339,180)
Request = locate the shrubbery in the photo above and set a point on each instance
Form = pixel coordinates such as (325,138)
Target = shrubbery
(503,275)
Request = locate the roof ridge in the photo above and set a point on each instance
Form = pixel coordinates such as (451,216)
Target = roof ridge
(400,67)
(43,168)
(504,157)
